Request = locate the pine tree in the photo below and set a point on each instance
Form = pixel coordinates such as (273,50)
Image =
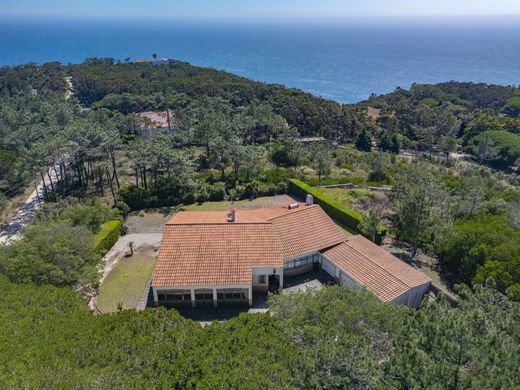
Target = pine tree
(364,141)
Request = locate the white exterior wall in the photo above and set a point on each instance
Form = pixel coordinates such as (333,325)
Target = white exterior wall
(266,271)
(412,297)
(347,280)
(192,289)
(330,268)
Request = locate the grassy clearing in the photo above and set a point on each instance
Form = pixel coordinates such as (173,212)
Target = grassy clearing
(152,221)
(265,201)
(347,197)
(126,282)
(148,221)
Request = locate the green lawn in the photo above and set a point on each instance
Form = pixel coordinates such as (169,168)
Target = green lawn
(265,201)
(126,282)
(346,197)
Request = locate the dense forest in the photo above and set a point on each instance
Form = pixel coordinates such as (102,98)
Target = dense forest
(337,338)
(233,139)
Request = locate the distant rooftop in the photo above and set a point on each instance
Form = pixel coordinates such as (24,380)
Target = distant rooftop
(156,61)
(156,119)
(312,139)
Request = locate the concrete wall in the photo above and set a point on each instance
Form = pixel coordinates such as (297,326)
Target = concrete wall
(347,280)
(413,296)
(298,271)
(330,268)
(266,271)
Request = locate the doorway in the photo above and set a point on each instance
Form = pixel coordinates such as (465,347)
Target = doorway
(274,283)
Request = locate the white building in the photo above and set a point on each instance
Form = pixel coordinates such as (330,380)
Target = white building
(219,258)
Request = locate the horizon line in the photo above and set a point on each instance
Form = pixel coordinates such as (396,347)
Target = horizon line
(246,18)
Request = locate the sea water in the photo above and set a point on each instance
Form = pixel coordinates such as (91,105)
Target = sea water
(345,60)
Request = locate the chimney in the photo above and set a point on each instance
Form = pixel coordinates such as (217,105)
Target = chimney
(231,215)
(309,199)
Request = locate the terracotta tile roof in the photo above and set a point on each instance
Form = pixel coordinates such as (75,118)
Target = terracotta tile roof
(371,266)
(207,254)
(373,113)
(158,119)
(306,229)
(202,248)
(213,218)
(389,262)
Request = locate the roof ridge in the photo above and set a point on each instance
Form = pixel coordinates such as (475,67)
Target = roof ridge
(293,211)
(261,222)
(377,265)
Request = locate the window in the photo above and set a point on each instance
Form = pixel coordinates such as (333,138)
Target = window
(232,295)
(262,279)
(239,295)
(161,297)
(204,296)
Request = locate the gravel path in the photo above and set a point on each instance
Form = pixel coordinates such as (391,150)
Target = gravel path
(13,231)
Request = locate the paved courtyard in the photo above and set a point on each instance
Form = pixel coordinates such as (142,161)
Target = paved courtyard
(308,281)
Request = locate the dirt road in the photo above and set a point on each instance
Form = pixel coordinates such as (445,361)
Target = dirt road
(13,231)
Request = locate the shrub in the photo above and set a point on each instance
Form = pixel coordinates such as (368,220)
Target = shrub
(123,208)
(507,146)
(51,252)
(277,175)
(217,191)
(135,197)
(107,236)
(333,208)
(91,215)
(512,107)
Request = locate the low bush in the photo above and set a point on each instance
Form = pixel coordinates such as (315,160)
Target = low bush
(51,252)
(276,175)
(135,197)
(107,236)
(506,144)
(92,215)
(333,208)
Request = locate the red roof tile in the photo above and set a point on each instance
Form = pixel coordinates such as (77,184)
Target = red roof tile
(157,119)
(203,248)
(213,218)
(371,266)
(306,229)
(193,255)
(407,274)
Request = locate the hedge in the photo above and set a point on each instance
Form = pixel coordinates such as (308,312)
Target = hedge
(107,236)
(332,207)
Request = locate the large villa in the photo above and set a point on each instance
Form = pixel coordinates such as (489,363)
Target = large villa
(217,258)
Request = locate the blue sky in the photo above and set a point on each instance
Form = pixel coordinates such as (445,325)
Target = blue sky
(161,9)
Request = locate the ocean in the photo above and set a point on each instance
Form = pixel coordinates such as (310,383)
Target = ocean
(342,60)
